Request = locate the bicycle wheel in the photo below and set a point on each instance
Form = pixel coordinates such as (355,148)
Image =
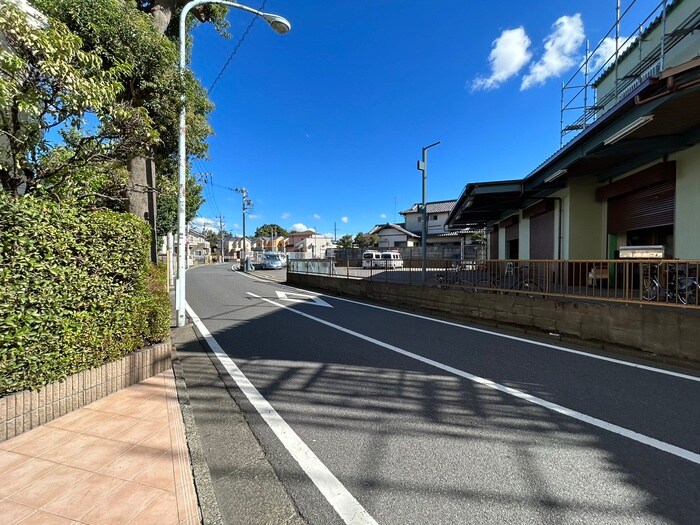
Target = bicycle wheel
(649,290)
(464,285)
(483,286)
(438,281)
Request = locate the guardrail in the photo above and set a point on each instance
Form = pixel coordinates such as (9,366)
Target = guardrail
(667,282)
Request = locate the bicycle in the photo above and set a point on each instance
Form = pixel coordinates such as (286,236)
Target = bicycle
(453,279)
(680,287)
(513,279)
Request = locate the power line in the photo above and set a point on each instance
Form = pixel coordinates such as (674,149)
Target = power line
(235,49)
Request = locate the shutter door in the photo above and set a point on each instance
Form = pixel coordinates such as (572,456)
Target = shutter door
(542,236)
(646,208)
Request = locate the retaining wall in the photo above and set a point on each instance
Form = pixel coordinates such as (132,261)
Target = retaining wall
(23,411)
(660,332)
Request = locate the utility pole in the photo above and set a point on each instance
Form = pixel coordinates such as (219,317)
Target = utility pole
(246,203)
(423,167)
(221,236)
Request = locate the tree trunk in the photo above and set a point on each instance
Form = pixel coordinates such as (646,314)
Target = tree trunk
(162,12)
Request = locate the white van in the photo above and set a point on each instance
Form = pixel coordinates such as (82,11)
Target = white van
(371,259)
(391,260)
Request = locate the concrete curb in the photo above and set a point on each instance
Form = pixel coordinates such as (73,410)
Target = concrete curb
(204,487)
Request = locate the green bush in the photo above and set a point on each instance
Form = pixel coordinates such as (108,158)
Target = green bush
(77,290)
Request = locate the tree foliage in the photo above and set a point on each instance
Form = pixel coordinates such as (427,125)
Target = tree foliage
(345,241)
(62,109)
(269,230)
(364,240)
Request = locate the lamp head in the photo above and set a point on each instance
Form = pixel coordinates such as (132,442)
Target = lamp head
(280,24)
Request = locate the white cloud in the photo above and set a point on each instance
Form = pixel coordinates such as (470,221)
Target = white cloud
(604,55)
(202,223)
(345,219)
(382,216)
(316,216)
(253,216)
(560,48)
(299,227)
(286,215)
(510,52)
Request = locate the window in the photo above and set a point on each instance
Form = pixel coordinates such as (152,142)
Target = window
(433,218)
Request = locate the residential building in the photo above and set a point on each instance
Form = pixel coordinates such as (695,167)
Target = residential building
(394,236)
(308,244)
(632,174)
(198,248)
(441,241)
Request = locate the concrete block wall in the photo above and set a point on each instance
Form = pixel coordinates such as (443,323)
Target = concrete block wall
(23,411)
(661,331)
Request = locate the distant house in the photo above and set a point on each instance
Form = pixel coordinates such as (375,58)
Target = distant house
(439,237)
(233,246)
(308,244)
(394,236)
(198,247)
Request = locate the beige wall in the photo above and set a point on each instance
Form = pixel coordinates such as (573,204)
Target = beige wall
(687,220)
(583,221)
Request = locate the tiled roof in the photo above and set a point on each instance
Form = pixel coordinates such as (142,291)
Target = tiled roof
(397,227)
(433,207)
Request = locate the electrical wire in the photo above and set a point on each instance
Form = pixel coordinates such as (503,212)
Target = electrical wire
(235,49)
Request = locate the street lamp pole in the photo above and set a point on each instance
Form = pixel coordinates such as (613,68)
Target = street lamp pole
(281,26)
(423,167)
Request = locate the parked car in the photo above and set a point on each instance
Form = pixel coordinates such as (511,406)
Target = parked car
(273,261)
(391,260)
(371,259)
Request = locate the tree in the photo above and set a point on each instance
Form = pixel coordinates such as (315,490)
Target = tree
(48,83)
(364,241)
(345,241)
(133,32)
(271,230)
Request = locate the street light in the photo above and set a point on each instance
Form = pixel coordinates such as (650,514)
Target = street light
(246,203)
(278,24)
(423,166)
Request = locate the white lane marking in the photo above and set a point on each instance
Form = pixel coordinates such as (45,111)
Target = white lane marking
(301,298)
(344,503)
(610,427)
(528,341)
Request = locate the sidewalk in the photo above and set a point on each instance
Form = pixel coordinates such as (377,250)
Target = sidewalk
(120,460)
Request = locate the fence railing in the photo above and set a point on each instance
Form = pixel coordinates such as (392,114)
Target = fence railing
(668,282)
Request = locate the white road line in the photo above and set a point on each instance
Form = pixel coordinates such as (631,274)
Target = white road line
(520,339)
(344,503)
(630,434)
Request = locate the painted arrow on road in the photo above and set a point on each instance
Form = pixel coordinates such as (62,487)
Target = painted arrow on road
(301,298)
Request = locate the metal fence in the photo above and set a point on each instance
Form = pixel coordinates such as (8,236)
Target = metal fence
(667,282)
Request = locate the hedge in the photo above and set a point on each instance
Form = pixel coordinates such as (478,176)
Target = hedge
(77,289)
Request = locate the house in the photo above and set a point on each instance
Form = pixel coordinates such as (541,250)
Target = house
(234,245)
(632,174)
(308,244)
(394,236)
(441,241)
(198,247)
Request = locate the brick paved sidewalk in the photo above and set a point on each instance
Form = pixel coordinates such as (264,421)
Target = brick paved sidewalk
(120,460)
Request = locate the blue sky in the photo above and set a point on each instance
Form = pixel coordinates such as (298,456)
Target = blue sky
(324,125)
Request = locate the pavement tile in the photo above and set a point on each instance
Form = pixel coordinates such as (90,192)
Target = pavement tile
(159,473)
(44,518)
(83,497)
(136,460)
(141,432)
(13,513)
(10,460)
(50,486)
(113,426)
(122,505)
(79,420)
(42,441)
(160,439)
(24,475)
(161,510)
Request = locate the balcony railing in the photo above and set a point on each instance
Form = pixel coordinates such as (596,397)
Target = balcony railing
(665,282)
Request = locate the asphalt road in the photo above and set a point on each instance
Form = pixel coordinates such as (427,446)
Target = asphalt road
(374,415)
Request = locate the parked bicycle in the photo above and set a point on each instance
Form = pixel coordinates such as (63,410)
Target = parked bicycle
(513,279)
(455,278)
(670,285)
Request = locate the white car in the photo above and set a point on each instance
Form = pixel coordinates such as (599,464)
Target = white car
(273,261)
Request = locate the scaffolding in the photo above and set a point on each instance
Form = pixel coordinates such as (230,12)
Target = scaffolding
(650,43)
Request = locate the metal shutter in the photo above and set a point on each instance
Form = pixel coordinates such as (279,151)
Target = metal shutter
(646,208)
(542,236)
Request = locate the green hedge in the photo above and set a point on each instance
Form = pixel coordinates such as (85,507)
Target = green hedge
(77,289)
